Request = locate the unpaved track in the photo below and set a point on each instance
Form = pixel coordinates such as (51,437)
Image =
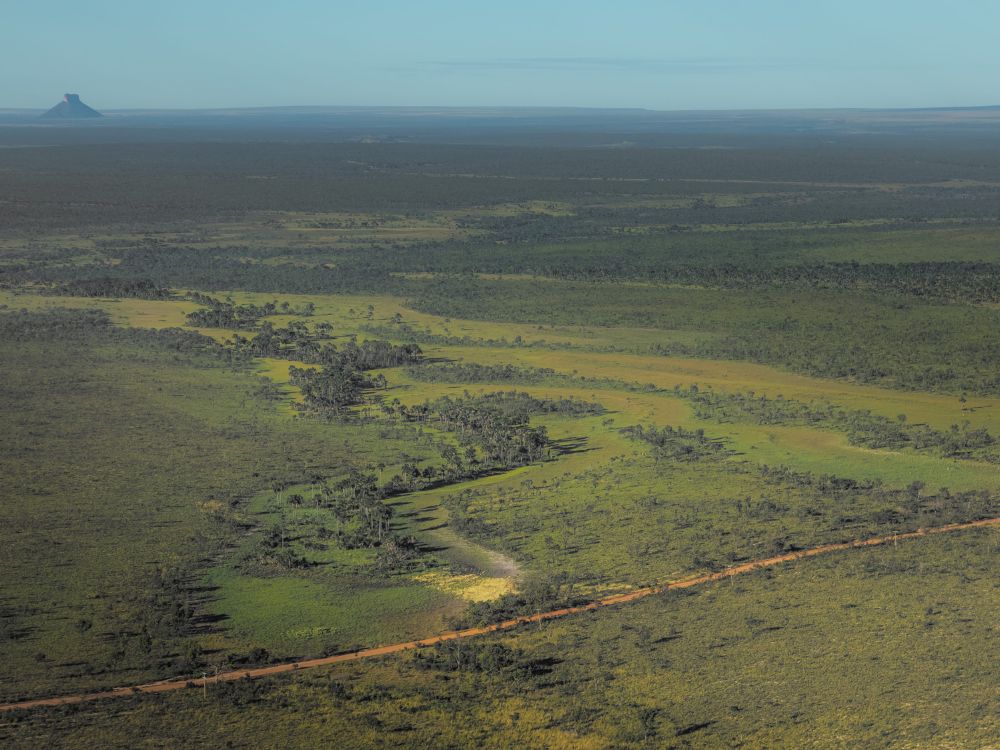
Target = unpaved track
(179,683)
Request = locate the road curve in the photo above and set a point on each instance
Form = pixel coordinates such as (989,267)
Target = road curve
(179,683)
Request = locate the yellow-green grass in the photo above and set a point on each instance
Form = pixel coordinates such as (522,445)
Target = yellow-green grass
(810,449)
(276,370)
(805,449)
(469,587)
(138,313)
(938,410)
(771,444)
(890,647)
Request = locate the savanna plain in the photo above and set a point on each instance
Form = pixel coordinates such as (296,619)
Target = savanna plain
(268,402)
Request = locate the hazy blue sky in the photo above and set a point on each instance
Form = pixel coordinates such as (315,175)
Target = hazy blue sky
(660,54)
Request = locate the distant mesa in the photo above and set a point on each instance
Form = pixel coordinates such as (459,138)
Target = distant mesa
(71,108)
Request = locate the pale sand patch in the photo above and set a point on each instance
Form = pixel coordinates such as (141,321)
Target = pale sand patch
(468,586)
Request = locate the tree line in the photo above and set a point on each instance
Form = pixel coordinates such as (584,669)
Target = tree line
(109,286)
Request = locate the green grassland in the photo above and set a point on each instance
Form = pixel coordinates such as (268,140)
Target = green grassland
(92,553)
(883,648)
(593,493)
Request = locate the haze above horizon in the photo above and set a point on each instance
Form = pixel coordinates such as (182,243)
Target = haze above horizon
(772,54)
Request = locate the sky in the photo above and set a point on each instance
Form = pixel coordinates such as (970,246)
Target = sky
(654,54)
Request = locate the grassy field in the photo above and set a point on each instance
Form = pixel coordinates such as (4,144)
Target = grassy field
(348,314)
(104,570)
(600,513)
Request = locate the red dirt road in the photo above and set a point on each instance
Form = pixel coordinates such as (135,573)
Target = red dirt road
(179,683)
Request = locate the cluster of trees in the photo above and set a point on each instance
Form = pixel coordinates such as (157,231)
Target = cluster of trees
(227,314)
(515,404)
(333,389)
(493,432)
(357,502)
(472,656)
(862,426)
(372,355)
(676,443)
(494,424)
(295,341)
(343,379)
(53,323)
(358,518)
(497,425)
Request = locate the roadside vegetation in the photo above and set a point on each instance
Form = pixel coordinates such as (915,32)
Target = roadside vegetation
(882,648)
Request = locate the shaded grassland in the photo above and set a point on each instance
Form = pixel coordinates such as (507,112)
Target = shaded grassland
(882,648)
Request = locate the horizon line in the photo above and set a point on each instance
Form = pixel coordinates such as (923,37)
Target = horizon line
(567,108)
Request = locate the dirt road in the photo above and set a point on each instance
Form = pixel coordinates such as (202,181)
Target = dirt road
(180,683)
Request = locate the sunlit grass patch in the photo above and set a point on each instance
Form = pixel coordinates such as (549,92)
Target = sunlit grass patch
(468,586)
